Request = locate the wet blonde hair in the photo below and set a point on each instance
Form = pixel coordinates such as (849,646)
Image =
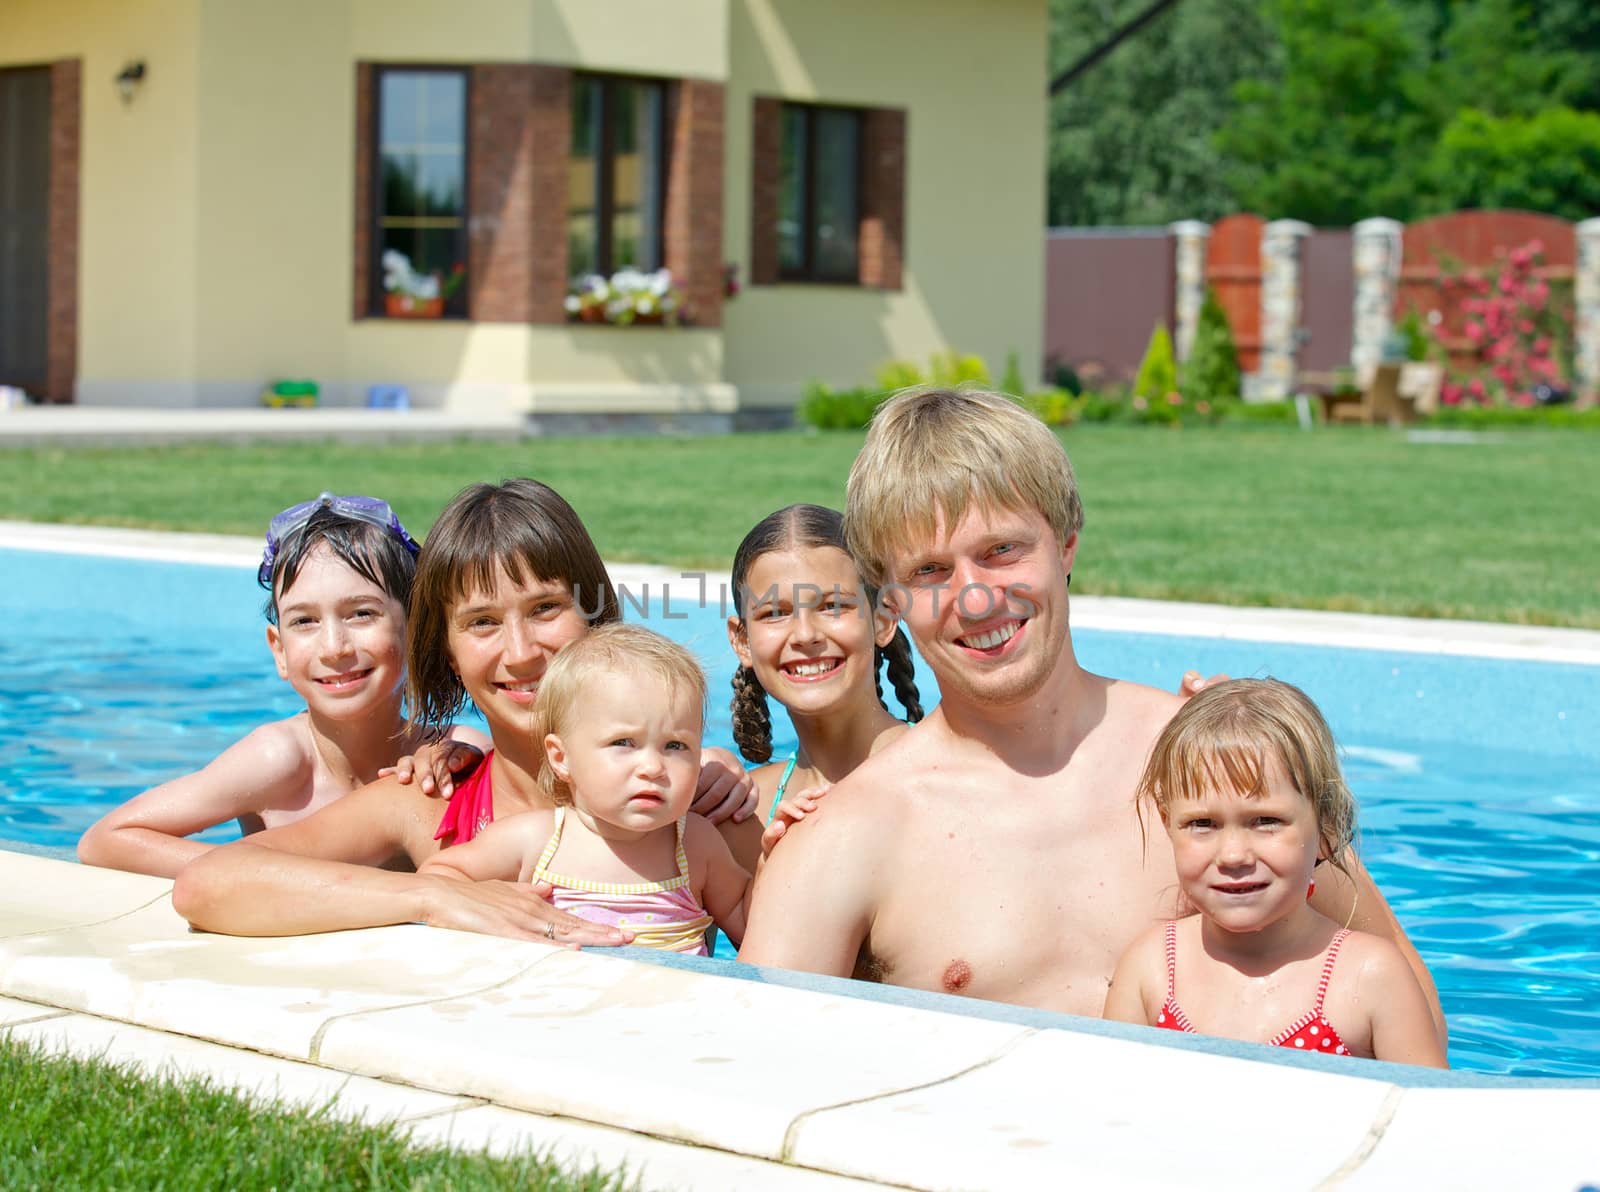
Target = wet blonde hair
(1227,736)
(607,649)
(944,450)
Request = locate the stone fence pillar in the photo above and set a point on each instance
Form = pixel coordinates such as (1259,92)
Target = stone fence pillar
(1586,324)
(1375,252)
(1282,247)
(1190,237)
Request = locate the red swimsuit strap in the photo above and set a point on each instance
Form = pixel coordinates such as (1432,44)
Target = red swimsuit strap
(1327,969)
(1172,958)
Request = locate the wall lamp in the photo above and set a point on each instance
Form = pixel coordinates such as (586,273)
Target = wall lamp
(129,78)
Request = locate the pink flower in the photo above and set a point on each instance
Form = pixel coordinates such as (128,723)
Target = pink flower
(1474,332)
(1541,346)
(1174,398)
(1450,394)
(1524,399)
(1475,387)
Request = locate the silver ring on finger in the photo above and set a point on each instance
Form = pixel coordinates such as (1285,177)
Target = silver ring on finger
(549,931)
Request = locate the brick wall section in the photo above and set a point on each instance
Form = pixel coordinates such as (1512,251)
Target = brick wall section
(883,197)
(550,125)
(766,177)
(692,227)
(361,291)
(500,256)
(61,368)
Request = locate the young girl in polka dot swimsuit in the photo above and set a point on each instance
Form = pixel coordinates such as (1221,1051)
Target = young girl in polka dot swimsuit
(1246,782)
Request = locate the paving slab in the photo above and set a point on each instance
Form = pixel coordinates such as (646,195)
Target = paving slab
(664,1051)
(1065,1109)
(13,1011)
(34,896)
(1469,1138)
(272,995)
(158,1053)
(655,1163)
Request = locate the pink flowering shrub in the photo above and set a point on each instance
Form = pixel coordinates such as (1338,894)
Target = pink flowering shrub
(1517,330)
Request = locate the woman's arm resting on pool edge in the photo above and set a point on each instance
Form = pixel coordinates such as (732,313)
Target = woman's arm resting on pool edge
(317,875)
(1361,906)
(267,768)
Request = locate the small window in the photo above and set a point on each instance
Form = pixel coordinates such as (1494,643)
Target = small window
(419,268)
(819,198)
(616,175)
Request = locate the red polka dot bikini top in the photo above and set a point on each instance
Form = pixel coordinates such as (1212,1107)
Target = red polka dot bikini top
(1312,1032)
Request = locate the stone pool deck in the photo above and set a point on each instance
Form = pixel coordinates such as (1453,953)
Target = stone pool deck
(699,1073)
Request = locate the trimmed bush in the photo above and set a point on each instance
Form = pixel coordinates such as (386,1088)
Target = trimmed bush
(1212,371)
(1012,381)
(827,408)
(1158,372)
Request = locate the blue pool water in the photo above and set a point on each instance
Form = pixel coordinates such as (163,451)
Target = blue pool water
(1479,779)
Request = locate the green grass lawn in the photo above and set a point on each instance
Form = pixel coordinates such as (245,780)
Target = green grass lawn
(73,1123)
(1500,529)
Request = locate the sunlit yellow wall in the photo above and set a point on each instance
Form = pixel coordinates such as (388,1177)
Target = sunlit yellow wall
(680,37)
(137,246)
(276,183)
(973,77)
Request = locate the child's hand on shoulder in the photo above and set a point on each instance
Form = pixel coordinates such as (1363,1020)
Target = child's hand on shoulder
(791,809)
(725,790)
(438,764)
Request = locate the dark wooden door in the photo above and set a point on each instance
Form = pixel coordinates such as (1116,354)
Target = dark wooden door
(24,226)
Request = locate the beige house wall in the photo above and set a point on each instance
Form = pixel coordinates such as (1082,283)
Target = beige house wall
(217,207)
(138,206)
(973,78)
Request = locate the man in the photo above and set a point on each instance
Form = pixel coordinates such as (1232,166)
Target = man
(994,850)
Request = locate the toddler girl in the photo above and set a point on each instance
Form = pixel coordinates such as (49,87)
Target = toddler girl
(619,713)
(338,571)
(1246,781)
(812,634)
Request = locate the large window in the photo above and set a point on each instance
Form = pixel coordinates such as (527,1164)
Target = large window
(617,170)
(419,268)
(819,198)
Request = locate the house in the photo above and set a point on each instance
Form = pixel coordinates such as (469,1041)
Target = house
(198,197)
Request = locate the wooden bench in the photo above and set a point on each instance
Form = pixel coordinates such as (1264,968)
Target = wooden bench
(1392,394)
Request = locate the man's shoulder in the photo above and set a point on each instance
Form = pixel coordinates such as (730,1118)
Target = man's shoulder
(1138,708)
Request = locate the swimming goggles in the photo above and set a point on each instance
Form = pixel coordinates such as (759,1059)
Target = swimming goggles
(368,509)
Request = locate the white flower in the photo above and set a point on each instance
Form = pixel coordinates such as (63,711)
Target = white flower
(572,304)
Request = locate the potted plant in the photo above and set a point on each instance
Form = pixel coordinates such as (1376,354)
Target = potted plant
(627,297)
(408,294)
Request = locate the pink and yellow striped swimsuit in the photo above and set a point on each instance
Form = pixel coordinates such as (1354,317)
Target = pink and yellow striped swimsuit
(663,914)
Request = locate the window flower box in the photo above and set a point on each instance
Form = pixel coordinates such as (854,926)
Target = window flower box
(628,297)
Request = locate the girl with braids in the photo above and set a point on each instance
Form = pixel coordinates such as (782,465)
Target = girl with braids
(810,633)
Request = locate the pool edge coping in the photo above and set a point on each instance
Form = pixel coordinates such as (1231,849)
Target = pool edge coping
(1367,631)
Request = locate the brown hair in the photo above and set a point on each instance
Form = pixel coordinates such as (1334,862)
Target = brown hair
(801,527)
(617,648)
(943,450)
(519,526)
(1225,738)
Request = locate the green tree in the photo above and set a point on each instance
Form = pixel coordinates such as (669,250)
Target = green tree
(1131,139)
(1549,161)
(1337,134)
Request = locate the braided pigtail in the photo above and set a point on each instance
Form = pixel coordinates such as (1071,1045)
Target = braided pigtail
(902,674)
(752,720)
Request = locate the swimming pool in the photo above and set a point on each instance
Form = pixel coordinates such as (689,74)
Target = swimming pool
(1478,778)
